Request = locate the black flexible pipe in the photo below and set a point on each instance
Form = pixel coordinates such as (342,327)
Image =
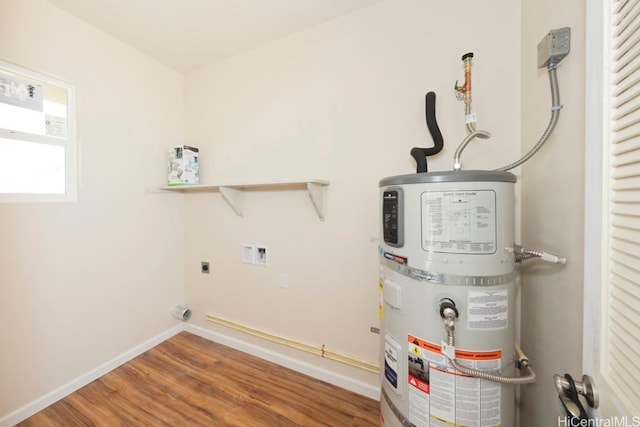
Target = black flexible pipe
(421,160)
(432,124)
(420,154)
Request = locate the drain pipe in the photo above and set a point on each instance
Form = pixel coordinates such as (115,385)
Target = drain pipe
(420,154)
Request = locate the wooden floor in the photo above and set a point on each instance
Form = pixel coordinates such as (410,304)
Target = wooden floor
(190,381)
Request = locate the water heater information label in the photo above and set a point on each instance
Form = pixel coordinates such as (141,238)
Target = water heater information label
(488,310)
(459,222)
(439,396)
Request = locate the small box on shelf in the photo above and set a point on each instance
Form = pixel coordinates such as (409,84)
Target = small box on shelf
(183,166)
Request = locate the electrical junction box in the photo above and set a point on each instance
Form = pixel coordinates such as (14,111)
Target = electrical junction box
(183,165)
(554,47)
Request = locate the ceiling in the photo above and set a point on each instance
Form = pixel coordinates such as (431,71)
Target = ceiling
(188,34)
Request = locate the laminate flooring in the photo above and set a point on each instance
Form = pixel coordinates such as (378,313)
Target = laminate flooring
(190,381)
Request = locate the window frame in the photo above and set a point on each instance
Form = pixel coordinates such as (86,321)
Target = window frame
(69,142)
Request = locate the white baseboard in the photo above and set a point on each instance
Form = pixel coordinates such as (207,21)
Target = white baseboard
(322,374)
(32,408)
(297,365)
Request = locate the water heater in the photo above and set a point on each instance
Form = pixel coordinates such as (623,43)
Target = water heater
(447,246)
(448,274)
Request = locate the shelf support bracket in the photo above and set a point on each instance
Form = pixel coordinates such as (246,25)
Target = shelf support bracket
(234,198)
(317,196)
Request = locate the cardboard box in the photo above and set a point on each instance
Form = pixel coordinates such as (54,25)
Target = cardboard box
(183,165)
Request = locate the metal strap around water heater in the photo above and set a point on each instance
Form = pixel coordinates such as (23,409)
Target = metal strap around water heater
(448,279)
(405,422)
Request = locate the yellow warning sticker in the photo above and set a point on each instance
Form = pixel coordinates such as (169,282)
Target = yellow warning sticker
(416,351)
(381,304)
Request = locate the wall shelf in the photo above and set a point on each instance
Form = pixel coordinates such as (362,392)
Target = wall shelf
(234,194)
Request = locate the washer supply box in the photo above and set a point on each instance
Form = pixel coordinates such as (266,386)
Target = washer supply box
(183,165)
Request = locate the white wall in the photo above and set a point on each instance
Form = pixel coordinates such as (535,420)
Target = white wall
(342,101)
(81,283)
(552,210)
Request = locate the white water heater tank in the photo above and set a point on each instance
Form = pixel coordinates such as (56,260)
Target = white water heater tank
(447,238)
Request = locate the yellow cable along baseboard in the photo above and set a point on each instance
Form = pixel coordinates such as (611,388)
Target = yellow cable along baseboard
(318,350)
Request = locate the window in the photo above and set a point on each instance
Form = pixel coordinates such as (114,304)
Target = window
(611,333)
(37,137)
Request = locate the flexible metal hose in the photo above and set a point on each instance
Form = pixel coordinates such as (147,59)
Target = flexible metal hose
(524,379)
(555,114)
(524,255)
(471,126)
(474,134)
(523,363)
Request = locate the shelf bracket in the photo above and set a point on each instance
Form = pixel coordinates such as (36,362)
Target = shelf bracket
(317,195)
(234,198)
(234,194)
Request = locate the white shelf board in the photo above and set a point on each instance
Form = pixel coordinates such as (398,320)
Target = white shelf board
(234,195)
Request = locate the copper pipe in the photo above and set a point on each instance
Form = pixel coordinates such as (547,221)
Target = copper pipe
(465,90)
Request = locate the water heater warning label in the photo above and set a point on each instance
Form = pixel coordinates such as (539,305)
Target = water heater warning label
(459,222)
(440,396)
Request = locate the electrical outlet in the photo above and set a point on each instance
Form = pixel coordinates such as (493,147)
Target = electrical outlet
(204,267)
(374,330)
(284,280)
